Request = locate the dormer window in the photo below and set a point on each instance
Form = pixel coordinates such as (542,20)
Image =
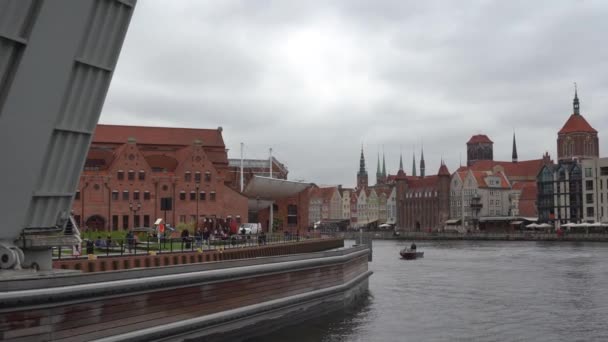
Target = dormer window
(188,176)
(207,176)
(197,176)
(142,175)
(120,175)
(131,175)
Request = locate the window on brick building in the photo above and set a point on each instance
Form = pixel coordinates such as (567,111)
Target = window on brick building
(187,176)
(192,196)
(182,195)
(197,176)
(192,218)
(131,175)
(142,175)
(292,214)
(136,219)
(207,176)
(182,218)
(212,196)
(589,185)
(114,222)
(202,196)
(146,220)
(136,195)
(238,219)
(146,195)
(125,195)
(125,221)
(120,175)
(114,195)
(77,195)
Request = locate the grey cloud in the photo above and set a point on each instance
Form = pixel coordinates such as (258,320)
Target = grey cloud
(315,79)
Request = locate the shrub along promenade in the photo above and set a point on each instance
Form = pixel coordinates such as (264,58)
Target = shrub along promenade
(479,235)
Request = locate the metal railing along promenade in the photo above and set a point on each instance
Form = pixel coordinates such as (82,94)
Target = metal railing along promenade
(149,245)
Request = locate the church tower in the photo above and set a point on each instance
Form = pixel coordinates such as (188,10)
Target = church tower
(362,174)
(414,165)
(479,147)
(577,139)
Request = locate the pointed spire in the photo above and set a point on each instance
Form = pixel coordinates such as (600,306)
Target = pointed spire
(422,165)
(414,165)
(575,103)
(378,171)
(400,161)
(383,164)
(362,161)
(514,153)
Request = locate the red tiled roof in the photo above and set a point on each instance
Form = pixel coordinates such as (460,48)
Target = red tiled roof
(480,138)
(426,182)
(157,135)
(527,199)
(327,193)
(443,170)
(576,124)
(525,168)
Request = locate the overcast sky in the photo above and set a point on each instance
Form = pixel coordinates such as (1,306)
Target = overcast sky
(316,79)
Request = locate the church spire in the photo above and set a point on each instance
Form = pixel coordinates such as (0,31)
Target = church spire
(514,153)
(422,166)
(378,170)
(575,103)
(383,164)
(414,165)
(401,161)
(362,162)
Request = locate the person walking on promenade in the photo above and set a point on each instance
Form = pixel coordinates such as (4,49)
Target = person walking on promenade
(130,241)
(198,236)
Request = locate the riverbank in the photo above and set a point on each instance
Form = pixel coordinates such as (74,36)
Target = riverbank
(478,236)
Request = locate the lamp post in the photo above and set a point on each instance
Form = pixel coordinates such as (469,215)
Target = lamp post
(197,198)
(134,208)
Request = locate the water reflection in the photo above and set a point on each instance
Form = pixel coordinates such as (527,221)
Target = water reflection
(475,291)
(332,327)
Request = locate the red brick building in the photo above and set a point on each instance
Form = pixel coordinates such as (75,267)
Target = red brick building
(423,202)
(577,139)
(129,169)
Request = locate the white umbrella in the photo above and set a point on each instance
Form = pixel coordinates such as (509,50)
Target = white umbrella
(532,225)
(384,225)
(568,225)
(544,225)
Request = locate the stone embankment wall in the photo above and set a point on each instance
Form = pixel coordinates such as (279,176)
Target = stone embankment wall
(507,236)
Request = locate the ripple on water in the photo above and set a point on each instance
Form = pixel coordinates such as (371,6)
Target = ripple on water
(475,291)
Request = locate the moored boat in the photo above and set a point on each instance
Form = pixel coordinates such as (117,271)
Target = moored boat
(411,254)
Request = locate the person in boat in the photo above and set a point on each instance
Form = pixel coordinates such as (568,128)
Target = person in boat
(413,246)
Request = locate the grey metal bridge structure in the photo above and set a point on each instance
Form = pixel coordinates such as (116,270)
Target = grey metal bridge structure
(57,59)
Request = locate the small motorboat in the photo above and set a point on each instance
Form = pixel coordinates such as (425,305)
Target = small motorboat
(411,254)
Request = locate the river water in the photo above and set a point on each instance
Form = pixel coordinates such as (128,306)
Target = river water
(474,291)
